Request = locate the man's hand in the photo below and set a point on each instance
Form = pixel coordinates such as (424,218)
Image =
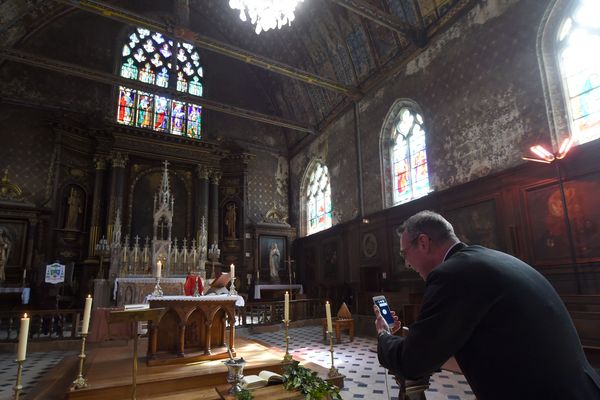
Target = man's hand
(381,324)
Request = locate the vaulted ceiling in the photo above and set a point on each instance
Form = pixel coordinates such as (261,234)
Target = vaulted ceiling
(307,73)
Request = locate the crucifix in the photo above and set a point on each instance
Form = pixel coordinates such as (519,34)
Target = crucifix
(289,263)
(166,163)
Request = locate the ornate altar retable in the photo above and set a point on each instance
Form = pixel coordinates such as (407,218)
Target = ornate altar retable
(133,290)
(192,329)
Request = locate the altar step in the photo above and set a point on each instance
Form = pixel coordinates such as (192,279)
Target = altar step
(276,392)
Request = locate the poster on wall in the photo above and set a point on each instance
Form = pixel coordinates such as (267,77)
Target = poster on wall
(55,273)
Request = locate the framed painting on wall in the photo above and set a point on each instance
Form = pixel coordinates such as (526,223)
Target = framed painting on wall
(476,223)
(272,251)
(330,259)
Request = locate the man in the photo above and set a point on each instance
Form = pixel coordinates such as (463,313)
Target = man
(502,320)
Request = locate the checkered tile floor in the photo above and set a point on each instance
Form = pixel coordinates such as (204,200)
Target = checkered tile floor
(365,378)
(36,365)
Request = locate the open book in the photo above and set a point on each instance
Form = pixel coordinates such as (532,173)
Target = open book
(263,378)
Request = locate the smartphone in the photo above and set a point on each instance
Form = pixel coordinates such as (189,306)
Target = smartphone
(384,309)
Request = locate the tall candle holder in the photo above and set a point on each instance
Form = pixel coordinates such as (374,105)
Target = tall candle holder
(333,371)
(287,357)
(80,382)
(19,385)
(157,289)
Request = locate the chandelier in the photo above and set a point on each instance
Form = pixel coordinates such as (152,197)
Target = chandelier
(266,14)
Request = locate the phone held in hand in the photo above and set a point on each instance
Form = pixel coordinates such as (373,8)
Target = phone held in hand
(384,309)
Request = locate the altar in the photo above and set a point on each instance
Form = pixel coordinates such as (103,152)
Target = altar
(258,289)
(192,329)
(133,290)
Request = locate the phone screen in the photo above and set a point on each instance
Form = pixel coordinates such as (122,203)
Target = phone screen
(384,309)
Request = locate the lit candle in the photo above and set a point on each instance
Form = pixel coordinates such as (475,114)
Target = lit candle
(232,270)
(23,335)
(286,308)
(328,315)
(86,315)
(158,268)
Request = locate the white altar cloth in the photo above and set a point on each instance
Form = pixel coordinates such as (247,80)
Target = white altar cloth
(258,288)
(239,300)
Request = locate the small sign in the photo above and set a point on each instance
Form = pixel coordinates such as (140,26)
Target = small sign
(55,273)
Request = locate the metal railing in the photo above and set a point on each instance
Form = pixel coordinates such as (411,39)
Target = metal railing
(43,324)
(271,312)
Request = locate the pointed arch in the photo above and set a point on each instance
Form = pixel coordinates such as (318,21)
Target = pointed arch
(315,198)
(403,154)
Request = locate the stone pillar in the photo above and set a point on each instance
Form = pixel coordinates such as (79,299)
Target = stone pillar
(202,200)
(116,189)
(95,229)
(213,212)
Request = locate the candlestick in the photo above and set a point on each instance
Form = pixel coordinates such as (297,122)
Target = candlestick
(232,291)
(286,307)
(287,357)
(157,289)
(333,372)
(328,315)
(23,336)
(18,385)
(86,315)
(80,382)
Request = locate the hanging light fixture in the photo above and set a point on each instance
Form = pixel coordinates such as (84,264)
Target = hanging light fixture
(266,14)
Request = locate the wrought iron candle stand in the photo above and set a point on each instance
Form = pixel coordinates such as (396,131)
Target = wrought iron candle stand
(80,382)
(333,372)
(157,289)
(287,357)
(19,385)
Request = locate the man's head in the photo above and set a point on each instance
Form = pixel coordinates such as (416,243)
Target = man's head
(425,239)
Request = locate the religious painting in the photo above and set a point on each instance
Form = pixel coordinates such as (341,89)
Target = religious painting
(272,250)
(74,208)
(13,234)
(548,225)
(230,214)
(476,223)
(330,259)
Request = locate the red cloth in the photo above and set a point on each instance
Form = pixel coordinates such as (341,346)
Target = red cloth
(190,285)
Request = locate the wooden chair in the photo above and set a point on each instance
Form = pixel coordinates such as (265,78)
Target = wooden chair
(342,322)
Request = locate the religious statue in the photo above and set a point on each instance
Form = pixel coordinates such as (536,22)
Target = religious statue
(274,263)
(73,210)
(230,219)
(5,247)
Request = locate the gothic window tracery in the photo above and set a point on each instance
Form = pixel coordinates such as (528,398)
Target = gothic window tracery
(318,199)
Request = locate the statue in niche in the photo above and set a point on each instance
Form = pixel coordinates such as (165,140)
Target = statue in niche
(5,247)
(274,263)
(74,209)
(230,220)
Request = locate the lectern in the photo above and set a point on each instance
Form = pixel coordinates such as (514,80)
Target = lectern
(135,316)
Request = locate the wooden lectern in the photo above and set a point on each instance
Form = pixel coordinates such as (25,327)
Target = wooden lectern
(135,316)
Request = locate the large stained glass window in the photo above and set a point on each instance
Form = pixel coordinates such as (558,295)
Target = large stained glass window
(318,200)
(152,58)
(410,179)
(579,41)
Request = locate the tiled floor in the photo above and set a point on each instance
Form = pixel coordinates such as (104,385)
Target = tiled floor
(365,378)
(33,368)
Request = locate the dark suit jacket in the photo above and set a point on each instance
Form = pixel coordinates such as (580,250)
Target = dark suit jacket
(505,324)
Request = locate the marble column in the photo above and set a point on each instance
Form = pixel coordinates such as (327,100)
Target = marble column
(202,199)
(213,211)
(116,189)
(95,229)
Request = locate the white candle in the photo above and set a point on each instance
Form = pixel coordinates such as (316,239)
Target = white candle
(158,269)
(328,315)
(86,315)
(232,270)
(286,308)
(23,336)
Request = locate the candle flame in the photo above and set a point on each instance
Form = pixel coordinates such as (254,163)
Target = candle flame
(25,315)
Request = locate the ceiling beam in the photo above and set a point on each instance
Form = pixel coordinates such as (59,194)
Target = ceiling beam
(186,35)
(378,16)
(110,79)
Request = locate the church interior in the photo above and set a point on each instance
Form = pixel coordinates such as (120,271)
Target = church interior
(193,148)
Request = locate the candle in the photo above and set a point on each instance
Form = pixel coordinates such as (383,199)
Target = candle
(286,309)
(158,268)
(86,315)
(328,315)
(232,270)
(23,335)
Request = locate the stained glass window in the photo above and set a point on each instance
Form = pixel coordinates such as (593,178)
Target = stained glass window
(579,41)
(149,57)
(318,200)
(410,179)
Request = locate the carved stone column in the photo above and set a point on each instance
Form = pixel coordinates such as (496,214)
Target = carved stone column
(213,224)
(100,164)
(116,189)
(202,199)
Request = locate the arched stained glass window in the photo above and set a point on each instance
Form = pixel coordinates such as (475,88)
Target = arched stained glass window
(410,179)
(318,199)
(152,58)
(579,59)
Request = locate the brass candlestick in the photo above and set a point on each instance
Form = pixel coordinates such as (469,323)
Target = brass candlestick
(80,382)
(19,386)
(287,357)
(232,291)
(157,289)
(333,370)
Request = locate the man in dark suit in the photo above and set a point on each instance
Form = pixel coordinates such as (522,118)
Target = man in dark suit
(503,322)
